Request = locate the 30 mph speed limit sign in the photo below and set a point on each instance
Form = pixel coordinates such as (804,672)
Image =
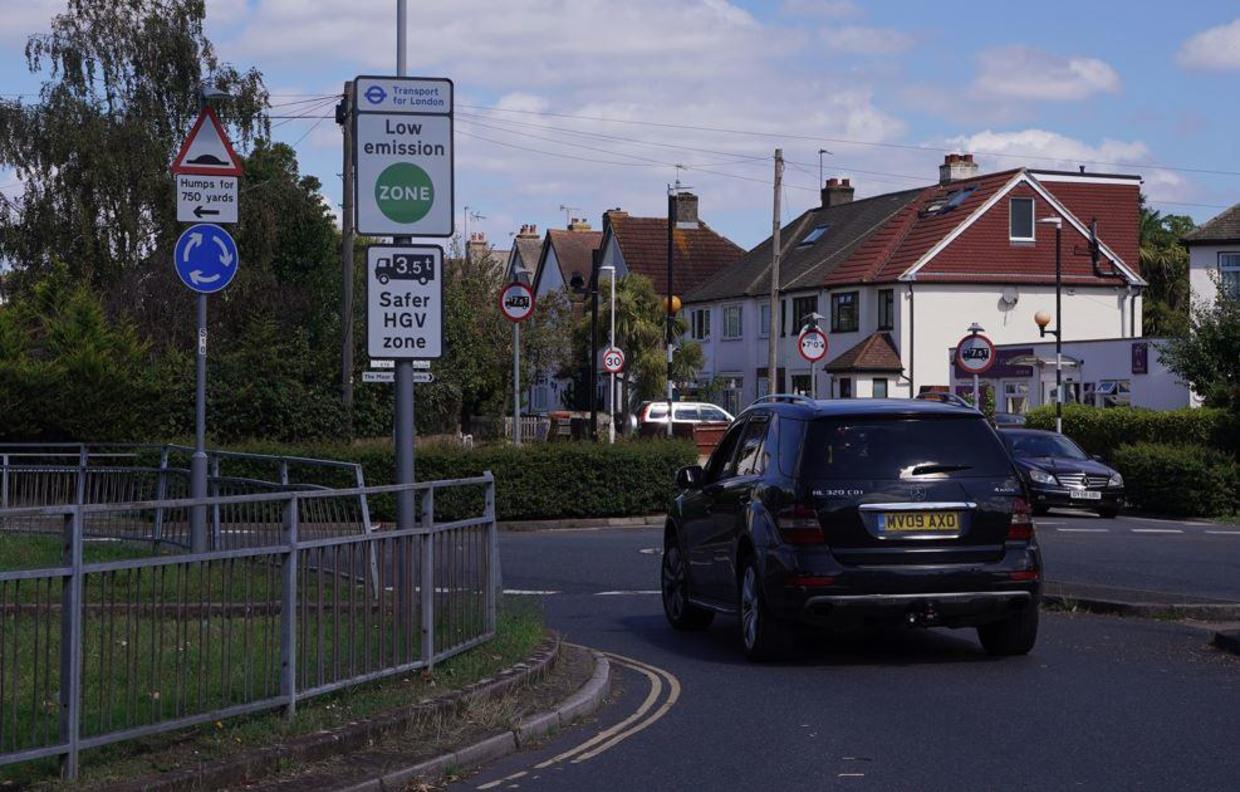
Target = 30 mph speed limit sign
(613,361)
(812,344)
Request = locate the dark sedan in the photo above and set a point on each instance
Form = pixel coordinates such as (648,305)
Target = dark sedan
(1060,474)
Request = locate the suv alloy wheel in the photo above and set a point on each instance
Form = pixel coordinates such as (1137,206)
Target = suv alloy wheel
(681,614)
(763,637)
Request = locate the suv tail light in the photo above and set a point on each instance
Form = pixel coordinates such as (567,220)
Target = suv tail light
(1021,527)
(798,525)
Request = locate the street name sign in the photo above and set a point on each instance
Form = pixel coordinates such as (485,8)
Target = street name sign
(205,258)
(613,361)
(975,354)
(516,302)
(419,377)
(812,344)
(416,365)
(404,301)
(206,150)
(403,156)
(206,198)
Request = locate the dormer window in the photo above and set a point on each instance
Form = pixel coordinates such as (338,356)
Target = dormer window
(1020,220)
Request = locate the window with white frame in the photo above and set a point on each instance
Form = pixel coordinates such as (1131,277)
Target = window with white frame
(732,321)
(1229,274)
(764,320)
(1015,397)
(1020,219)
(1114,393)
(699,324)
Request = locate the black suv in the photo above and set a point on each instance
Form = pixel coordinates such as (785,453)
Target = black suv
(854,512)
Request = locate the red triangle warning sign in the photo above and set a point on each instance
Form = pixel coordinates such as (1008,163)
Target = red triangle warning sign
(206,150)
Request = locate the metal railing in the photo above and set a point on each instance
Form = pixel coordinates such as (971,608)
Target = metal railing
(71,473)
(93,652)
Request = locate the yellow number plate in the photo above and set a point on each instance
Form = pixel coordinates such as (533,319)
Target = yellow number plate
(920,522)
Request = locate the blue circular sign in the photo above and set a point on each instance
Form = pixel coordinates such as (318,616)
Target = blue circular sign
(375,94)
(206,258)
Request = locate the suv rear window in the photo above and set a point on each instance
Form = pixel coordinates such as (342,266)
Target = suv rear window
(896,448)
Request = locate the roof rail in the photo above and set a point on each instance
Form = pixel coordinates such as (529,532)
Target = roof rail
(792,398)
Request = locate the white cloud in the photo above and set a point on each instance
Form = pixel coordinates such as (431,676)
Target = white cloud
(1040,148)
(1020,72)
(1217,48)
(830,9)
(859,40)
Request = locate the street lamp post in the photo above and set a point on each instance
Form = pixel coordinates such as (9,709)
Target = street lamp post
(611,344)
(1042,320)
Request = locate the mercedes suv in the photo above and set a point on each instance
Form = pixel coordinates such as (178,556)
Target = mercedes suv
(850,513)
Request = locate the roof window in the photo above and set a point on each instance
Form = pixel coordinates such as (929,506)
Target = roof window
(948,202)
(814,235)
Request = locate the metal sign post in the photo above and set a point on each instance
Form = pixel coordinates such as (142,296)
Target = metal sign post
(516,303)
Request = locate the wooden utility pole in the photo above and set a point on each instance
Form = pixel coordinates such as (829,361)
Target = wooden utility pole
(346,255)
(772,367)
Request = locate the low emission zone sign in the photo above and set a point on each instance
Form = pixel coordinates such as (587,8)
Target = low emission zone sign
(403,156)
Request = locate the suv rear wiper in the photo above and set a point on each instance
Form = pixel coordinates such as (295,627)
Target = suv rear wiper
(921,470)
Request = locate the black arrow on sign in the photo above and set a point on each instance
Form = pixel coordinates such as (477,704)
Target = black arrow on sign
(199,212)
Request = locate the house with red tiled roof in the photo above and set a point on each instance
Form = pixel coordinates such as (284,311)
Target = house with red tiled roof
(639,245)
(898,278)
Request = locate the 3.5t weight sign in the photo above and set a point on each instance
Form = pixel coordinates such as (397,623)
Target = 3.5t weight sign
(404,301)
(516,302)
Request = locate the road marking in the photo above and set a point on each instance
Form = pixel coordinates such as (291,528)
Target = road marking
(639,720)
(1157,530)
(529,592)
(1046,522)
(1173,522)
(625,593)
(845,775)
(1224,533)
(672,696)
(651,551)
(1083,530)
(512,777)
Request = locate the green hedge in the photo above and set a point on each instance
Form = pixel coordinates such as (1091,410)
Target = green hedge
(1188,480)
(1103,430)
(534,482)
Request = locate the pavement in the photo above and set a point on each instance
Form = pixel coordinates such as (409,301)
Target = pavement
(1102,702)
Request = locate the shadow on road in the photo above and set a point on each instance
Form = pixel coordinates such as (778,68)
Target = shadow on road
(894,646)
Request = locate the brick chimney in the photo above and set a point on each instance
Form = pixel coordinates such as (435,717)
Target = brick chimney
(836,192)
(528,231)
(578,224)
(685,210)
(477,247)
(612,215)
(956,167)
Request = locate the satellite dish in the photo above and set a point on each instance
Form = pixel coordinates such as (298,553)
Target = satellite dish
(1010,296)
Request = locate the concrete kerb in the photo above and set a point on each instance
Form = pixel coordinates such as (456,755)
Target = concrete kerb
(255,764)
(647,521)
(588,698)
(1141,604)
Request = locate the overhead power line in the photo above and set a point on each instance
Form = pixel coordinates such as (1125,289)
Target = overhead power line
(849,141)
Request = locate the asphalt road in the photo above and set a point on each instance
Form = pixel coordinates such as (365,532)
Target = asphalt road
(1101,703)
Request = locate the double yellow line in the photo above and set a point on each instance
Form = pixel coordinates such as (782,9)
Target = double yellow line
(640,720)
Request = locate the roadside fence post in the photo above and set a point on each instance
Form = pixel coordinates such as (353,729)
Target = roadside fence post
(495,580)
(83,458)
(161,494)
(288,612)
(426,585)
(213,488)
(71,645)
(4,481)
(283,471)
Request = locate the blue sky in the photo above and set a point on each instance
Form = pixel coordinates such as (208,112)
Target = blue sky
(886,87)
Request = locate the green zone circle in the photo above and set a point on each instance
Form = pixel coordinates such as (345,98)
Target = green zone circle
(404,192)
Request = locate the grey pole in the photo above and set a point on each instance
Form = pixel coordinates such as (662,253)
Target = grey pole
(516,383)
(671,314)
(1058,333)
(198,463)
(346,261)
(404,368)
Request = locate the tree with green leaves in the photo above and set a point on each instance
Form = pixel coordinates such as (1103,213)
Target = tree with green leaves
(1205,354)
(122,88)
(1164,264)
